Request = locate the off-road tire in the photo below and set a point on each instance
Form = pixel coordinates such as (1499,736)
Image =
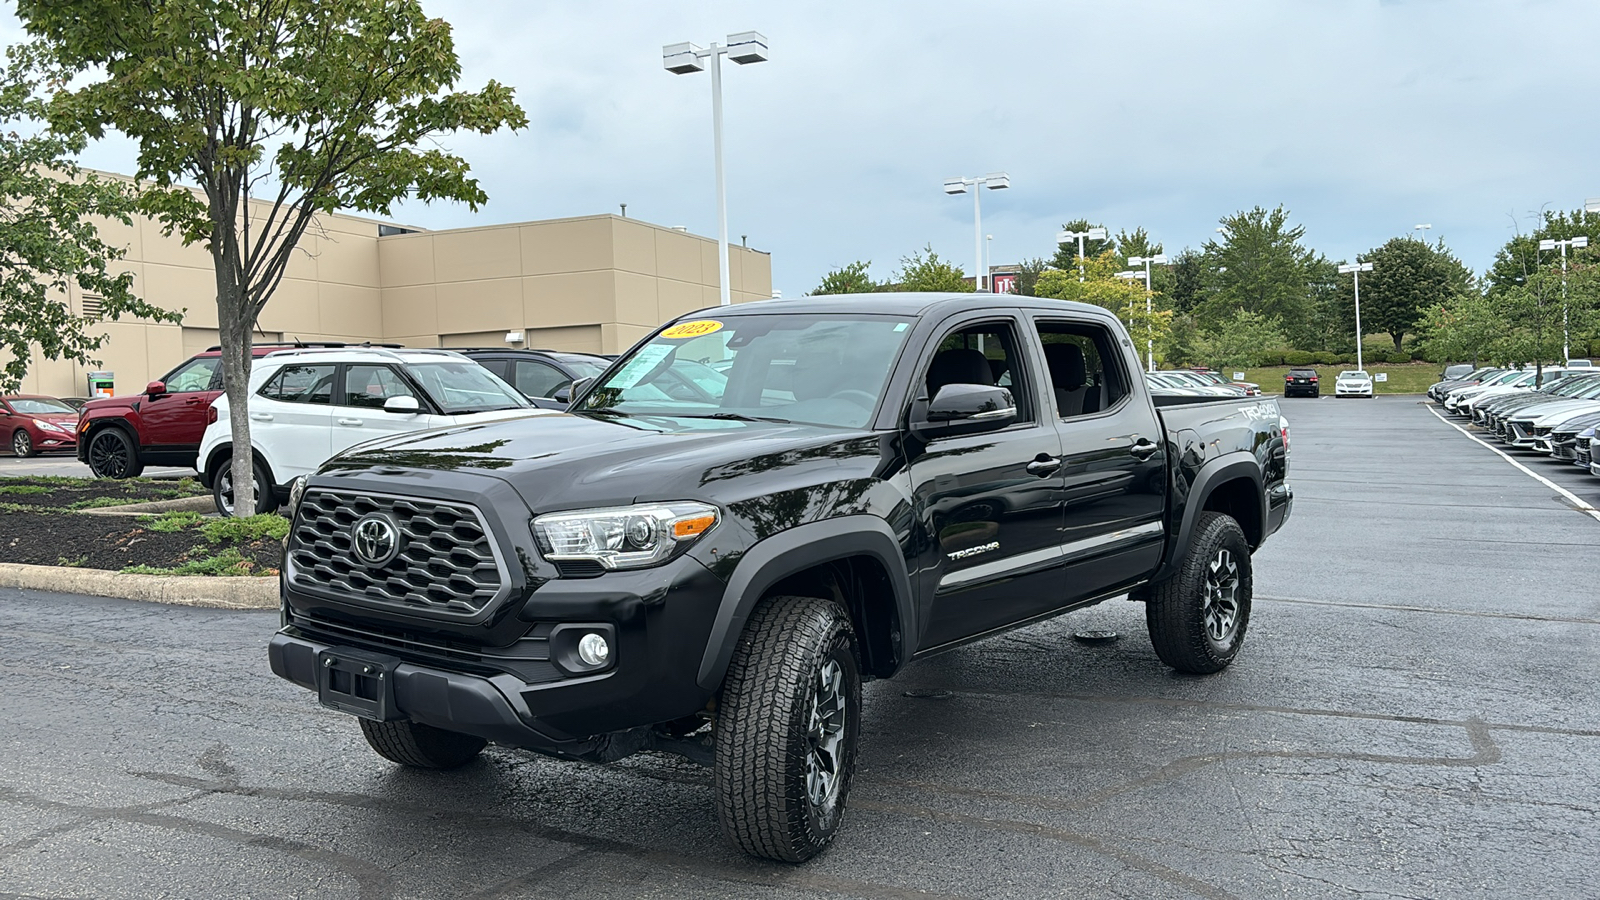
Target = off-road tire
(1176,610)
(118,455)
(22,445)
(421,746)
(222,482)
(764,728)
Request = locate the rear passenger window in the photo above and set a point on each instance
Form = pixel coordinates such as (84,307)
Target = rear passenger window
(300,384)
(1086,372)
(535,379)
(981,354)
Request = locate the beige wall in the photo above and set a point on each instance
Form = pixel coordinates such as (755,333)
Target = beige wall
(594,284)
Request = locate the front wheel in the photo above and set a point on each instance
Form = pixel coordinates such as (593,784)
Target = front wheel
(1197,618)
(787,729)
(222,489)
(421,746)
(112,454)
(22,444)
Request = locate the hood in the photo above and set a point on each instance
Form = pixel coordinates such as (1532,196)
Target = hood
(1542,413)
(568,461)
(125,401)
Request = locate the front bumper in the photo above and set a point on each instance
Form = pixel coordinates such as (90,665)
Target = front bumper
(506,681)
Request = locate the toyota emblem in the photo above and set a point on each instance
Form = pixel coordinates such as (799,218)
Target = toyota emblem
(375,540)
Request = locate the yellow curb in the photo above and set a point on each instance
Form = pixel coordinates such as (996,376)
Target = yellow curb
(242,592)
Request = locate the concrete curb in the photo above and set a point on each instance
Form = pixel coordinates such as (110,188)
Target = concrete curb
(243,592)
(202,503)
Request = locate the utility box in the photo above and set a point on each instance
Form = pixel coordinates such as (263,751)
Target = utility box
(102,384)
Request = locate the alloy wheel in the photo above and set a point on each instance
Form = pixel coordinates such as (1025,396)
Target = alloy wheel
(1222,597)
(21,444)
(825,734)
(108,457)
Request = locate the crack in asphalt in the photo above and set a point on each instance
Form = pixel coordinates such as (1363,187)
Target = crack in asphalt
(1479,614)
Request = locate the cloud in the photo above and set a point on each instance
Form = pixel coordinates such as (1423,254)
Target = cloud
(1364,118)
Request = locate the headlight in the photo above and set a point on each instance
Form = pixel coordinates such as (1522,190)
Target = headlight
(48,426)
(623,537)
(297,490)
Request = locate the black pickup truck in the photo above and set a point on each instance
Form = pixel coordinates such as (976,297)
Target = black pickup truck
(753,511)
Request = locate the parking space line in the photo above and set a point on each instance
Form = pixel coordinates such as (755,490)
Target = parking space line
(1577,503)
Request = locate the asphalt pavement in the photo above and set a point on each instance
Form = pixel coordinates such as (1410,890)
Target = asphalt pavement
(1416,713)
(67,465)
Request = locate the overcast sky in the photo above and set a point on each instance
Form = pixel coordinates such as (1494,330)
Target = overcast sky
(1363,118)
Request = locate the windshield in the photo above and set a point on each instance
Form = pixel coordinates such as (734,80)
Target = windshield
(39,406)
(464,387)
(583,368)
(1357,374)
(823,369)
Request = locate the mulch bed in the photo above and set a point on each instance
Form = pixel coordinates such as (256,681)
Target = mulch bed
(114,542)
(39,528)
(78,493)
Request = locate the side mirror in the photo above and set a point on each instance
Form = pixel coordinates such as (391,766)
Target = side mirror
(566,394)
(155,388)
(405,406)
(964,409)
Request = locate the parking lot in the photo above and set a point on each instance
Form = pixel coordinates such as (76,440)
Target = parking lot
(1416,713)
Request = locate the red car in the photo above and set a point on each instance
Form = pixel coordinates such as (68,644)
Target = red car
(119,436)
(34,424)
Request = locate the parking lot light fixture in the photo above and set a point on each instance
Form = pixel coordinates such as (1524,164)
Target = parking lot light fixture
(994,181)
(1576,243)
(744,48)
(1592,205)
(1093,234)
(1422,232)
(1159,259)
(1355,271)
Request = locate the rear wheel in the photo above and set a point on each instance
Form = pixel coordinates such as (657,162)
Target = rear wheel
(22,444)
(112,454)
(421,746)
(1197,619)
(787,728)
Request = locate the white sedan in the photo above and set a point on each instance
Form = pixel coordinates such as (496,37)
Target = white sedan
(1353,383)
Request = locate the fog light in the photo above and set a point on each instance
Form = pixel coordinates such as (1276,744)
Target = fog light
(593,650)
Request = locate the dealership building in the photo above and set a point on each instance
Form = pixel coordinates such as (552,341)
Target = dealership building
(593,283)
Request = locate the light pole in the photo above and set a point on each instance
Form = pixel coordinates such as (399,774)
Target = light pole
(681,59)
(1093,234)
(1355,270)
(1422,232)
(988,260)
(1159,259)
(994,181)
(1577,243)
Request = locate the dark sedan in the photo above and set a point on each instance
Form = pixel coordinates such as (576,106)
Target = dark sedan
(1302,383)
(32,424)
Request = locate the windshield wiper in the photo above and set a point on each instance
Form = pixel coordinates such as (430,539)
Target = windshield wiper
(733,416)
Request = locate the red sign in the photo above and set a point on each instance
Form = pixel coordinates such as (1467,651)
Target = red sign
(1003,283)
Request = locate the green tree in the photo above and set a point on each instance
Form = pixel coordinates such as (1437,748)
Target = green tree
(1028,273)
(48,240)
(925,271)
(1135,243)
(1188,280)
(1124,297)
(1181,347)
(278,110)
(1463,326)
(851,279)
(1260,268)
(1408,275)
(1067,254)
(1242,341)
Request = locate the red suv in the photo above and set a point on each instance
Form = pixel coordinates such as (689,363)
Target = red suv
(119,436)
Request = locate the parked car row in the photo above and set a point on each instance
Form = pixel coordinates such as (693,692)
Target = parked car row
(1552,411)
(1187,382)
(332,396)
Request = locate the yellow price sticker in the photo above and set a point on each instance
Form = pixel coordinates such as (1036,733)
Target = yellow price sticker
(692,329)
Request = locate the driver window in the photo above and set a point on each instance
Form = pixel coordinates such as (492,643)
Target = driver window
(981,354)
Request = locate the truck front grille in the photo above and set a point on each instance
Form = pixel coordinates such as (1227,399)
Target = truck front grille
(446,561)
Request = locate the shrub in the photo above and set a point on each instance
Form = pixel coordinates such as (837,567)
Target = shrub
(1298,357)
(1397,358)
(1325,358)
(245,529)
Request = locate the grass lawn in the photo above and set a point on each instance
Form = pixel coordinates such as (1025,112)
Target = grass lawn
(1410,378)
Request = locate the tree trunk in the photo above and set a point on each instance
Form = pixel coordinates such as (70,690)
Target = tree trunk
(234,327)
(1398,337)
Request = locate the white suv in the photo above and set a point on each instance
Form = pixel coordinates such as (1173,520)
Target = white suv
(308,405)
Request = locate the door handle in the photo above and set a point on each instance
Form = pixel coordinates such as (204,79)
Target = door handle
(1044,466)
(349,421)
(261,417)
(1144,448)
(193,400)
